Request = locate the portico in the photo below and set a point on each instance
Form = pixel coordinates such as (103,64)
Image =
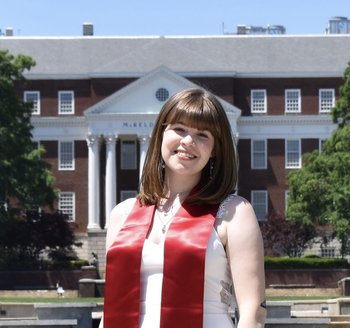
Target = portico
(129,113)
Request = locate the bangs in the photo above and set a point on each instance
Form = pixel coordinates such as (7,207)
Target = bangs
(200,117)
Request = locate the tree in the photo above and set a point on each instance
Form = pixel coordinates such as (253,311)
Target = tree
(26,182)
(24,177)
(36,233)
(282,237)
(319,192)
(341,111)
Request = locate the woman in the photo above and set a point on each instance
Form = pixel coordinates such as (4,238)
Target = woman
(174,253)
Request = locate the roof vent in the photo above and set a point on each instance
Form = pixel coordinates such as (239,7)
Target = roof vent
(88,29)
(9,31)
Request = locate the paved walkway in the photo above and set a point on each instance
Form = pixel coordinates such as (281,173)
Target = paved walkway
(325,292)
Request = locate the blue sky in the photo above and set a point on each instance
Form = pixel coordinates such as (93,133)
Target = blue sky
(166,17)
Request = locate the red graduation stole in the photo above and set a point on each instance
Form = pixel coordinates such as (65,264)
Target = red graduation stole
(183,273)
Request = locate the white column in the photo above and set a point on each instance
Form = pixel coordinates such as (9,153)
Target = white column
(111,176)
(94,182)
(144,143)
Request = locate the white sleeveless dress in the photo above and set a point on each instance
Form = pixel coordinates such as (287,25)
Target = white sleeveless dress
(218,299)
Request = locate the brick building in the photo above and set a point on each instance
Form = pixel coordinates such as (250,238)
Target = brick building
(96,99)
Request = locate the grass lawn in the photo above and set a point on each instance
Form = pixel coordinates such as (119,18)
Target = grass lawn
(28,299)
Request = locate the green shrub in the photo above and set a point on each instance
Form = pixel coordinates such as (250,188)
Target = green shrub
(307,262)
(36,240)
(66,265)
(15,261)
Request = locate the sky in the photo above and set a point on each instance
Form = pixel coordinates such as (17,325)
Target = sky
(166,17)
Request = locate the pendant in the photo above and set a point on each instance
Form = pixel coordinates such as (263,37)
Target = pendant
(164,228)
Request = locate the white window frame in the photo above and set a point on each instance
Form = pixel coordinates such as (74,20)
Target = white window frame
(320,144)
(126,194)
(255,153)
(288,152)
(257,104)
(37,145)
(128,163)
(325,103)
(36,103)
(260,207)
(286,194)
(63,108)
(67,163)
(329,252)
(63,198)
(292,105)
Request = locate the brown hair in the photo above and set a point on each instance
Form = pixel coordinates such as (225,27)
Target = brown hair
(201,110)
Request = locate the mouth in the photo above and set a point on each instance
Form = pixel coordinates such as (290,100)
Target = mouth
(184,154)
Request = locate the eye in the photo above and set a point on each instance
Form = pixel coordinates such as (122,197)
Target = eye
(203,135)
(179,129)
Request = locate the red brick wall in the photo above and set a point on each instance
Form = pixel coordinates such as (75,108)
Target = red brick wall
(275,89)
(320,278)
(222,87)
(86,92)
(73,181)
(274,178)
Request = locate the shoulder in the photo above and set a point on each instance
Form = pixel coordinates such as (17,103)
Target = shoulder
(117,218)
(234,207)
(235,218)
(241,223)
(123,208)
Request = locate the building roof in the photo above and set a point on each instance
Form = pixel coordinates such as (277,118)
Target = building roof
(190,56)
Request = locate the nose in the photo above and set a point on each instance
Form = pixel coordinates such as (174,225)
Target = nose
(187,140)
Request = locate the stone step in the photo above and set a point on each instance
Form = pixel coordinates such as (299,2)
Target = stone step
(297,323)
(345,324)
(339,318)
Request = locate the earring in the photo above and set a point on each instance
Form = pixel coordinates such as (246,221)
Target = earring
(211,168)
(163,164)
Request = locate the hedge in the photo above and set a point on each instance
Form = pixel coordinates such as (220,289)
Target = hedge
(305,263)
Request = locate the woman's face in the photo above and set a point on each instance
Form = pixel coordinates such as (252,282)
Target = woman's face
(186,150)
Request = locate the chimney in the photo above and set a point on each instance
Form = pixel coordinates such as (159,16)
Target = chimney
(88,29)
(9,31)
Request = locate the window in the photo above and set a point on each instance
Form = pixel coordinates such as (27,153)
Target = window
(162,94)
(286,194)
(128,155)
(66,102)
(326,100)
(258,101)
(292,101)
(258,156)
(34,98)
(66,204)
(36,146)
(328,251)
(66,155)
(259,203)
(125,194)
(293,154)
(321,143)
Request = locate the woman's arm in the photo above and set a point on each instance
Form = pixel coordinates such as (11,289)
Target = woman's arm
(246,255)
(116,221)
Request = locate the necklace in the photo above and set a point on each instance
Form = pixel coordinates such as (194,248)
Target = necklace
(165,214)
(164,211)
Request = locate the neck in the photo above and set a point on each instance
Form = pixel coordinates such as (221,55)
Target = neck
(178,187)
